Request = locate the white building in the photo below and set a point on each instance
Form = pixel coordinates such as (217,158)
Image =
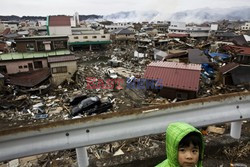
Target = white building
(117,26)
(62,68)
(89,37)
(177,28)
(41,23)
(246,27)
(193,31)
(59,25)
(12,25)
(1,27)
(72,21)
(77,19)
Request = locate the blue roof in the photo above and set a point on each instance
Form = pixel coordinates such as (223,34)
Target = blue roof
(222,55)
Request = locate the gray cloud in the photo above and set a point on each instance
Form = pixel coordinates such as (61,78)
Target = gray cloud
(68,7)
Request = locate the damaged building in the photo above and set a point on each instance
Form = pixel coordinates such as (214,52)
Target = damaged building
(31,60)
(179,80)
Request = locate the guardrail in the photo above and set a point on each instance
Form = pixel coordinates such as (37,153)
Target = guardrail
(78,133)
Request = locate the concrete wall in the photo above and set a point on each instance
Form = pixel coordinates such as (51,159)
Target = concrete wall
(60,30)
(13,27)
(246,26)
(58,78)
(13,66)
(1,27)
(177,27)
(170,93)
(89,37)
(199,34)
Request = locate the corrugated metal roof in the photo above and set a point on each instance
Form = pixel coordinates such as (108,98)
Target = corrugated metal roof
(229,67)
(30,79)
(175,75)
(61,58)
(20,56)
(238,49)
(59,21)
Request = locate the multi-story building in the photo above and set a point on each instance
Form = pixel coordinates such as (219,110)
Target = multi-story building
(59,25)
(193,31)
(246,27)
(36,56)
(88,38)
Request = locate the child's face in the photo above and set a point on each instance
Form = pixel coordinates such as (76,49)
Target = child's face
(188,156)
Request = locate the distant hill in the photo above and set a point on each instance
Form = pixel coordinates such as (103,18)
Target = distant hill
(17,18)
(90,17)
(196,16)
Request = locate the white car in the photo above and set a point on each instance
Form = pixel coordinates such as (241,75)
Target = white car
(111,73)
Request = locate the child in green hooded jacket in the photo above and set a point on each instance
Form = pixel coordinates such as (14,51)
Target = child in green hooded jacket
(184,146)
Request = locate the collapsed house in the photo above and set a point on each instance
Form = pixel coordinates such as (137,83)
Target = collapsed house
(179,80)
(236,72)
(36,56)
(122,35)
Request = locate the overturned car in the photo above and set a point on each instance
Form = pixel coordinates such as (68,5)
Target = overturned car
(91,105)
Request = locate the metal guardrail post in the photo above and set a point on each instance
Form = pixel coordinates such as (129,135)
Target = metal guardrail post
(82,157)
(235,131)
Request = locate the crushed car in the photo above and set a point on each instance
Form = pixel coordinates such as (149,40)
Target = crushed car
(91,105)
(111,74)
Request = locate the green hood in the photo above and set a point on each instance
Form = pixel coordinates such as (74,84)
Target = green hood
(174,134)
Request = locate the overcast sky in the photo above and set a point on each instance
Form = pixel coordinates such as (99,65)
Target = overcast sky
(104,7)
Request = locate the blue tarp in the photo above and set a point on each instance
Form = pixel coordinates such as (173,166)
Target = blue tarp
(221,55)
(208,68)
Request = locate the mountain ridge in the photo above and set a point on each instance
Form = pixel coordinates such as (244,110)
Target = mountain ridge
(196,16)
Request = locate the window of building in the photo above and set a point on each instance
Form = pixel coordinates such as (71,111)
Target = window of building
(30,46)
(76,37)
(38,64)
(94,36)
(40,46)
(60,44)
(3,69)
(25,66)
(62,69)
(20,67)
(103,36)
(85,37)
